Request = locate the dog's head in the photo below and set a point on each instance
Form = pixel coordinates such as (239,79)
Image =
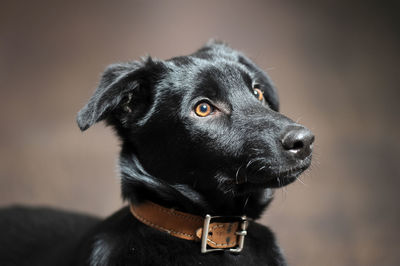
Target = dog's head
(202,128)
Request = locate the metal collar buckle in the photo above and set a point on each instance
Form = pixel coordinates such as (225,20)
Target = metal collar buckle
(242,233)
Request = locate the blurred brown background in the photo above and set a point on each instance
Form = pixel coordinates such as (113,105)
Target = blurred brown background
(336,66)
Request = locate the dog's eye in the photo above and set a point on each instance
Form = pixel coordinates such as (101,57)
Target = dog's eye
(258,93)
(203,109)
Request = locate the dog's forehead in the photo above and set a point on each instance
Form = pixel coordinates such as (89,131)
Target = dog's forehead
(202,76)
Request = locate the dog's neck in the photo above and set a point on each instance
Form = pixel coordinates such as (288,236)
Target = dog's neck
(138,185)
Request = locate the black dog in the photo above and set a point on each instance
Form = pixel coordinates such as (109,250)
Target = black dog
(201,135)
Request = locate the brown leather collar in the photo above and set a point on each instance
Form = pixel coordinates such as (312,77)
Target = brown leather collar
(218,235)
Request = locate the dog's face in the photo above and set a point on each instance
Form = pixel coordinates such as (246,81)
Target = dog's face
(200,123)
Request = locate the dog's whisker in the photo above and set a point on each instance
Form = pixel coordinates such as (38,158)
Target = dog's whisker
(261,168)
(301,181)
(284,191)
(253,161)
(245,203)
(249,163)
(270,68)
(237,173)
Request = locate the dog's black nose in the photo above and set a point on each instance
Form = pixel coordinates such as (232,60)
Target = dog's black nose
(298,141)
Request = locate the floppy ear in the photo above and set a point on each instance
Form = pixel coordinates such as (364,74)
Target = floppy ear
(117,81)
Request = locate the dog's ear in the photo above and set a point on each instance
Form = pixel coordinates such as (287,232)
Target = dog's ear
(117,83)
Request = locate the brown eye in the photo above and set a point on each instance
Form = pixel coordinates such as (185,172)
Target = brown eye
(203,109)
(259,94)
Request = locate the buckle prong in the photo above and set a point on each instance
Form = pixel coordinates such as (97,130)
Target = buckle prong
(241,234)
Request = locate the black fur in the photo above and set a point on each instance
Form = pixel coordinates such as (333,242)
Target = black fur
(226,163)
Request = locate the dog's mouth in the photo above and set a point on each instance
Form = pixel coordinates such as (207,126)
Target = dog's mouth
(256,176)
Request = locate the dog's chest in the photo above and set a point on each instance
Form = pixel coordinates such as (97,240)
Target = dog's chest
(152,253)
(143,245)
